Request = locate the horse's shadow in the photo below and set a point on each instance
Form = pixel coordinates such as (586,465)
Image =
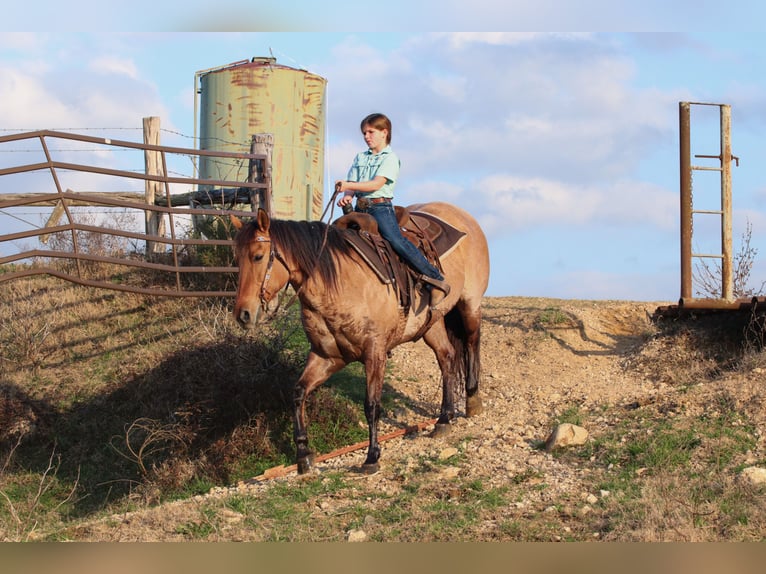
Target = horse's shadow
(207,405)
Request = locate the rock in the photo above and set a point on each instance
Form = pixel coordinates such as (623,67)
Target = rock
(450,472)
(356,536)
(448,453)
(754,475)
(566,434)
(232,517)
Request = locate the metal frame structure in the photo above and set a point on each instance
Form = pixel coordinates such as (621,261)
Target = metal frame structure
(727,301)
(234,191)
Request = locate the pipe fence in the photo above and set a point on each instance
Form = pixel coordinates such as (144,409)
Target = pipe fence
(156,243)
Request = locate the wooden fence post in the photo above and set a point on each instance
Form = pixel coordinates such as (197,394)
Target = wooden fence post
(261,144)
(154,222)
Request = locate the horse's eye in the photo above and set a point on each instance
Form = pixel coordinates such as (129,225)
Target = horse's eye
(257,258)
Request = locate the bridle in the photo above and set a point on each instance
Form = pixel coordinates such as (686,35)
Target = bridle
(273,255)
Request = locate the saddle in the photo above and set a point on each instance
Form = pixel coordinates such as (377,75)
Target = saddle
(433,236)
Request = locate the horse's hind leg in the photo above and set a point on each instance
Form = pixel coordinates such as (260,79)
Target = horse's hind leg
(316,372)
(436,338)
(472,325)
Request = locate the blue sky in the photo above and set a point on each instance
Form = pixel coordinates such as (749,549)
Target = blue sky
(563,145)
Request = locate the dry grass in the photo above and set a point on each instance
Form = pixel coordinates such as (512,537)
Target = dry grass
(138,399)
(111,403)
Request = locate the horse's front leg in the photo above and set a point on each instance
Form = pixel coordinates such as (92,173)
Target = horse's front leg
(375,370)
(316,372)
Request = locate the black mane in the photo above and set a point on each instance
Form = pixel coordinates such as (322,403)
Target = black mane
(312,244)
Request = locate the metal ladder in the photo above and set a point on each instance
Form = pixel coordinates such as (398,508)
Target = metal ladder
(687,209)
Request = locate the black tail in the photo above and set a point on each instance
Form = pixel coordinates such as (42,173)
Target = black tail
(456,332)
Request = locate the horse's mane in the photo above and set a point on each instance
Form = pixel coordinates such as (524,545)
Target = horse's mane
(314,245)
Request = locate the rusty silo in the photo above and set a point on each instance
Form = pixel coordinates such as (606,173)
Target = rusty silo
(259,96)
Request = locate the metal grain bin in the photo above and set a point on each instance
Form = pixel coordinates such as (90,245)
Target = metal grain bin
(259,96)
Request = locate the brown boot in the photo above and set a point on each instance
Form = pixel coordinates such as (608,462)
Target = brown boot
(438,288)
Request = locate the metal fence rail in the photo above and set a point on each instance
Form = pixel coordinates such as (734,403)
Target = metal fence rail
(164,252)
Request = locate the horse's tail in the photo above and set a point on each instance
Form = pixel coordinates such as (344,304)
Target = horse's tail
(457,335)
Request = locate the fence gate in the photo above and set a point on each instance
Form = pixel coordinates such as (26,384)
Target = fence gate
(164,252)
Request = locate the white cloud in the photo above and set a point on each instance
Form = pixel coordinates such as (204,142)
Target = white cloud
(505,204)
(459,40)
(451,87)
(114,65)
(523,130)
(437,191)
(558,104)
(21,42)
(27,103)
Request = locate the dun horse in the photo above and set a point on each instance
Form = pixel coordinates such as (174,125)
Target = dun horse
(350,315)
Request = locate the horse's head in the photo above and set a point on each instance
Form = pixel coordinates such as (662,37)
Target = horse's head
(262,271)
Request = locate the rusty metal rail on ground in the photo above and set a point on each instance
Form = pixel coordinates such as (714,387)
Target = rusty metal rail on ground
(282,470)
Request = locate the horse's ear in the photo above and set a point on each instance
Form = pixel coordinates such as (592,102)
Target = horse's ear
(236,222)
(263,220)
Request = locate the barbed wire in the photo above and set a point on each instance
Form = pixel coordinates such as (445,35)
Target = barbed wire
(67,129)
(68,150)
(219,165)
(14,216)
(165,130)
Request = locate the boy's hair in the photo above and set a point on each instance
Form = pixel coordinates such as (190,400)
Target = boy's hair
(378,122)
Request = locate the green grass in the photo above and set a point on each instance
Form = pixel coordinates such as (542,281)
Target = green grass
(572,415)
(676,472)
(285,512)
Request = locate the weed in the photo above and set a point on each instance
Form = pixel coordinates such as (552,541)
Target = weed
(529,474)
(552,316)
(25,335)
(190,402)
(199,529)
(34,502)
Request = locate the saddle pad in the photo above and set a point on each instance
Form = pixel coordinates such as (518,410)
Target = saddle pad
(444,236)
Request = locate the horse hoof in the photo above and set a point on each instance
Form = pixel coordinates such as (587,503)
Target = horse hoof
(473,406)
(305,464)
(440,430)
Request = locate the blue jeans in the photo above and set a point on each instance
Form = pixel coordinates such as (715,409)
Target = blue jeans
(388,226)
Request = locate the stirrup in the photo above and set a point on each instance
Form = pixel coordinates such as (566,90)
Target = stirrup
(437,288)
(440,284)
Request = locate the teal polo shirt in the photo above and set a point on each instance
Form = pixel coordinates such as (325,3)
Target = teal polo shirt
(368,165)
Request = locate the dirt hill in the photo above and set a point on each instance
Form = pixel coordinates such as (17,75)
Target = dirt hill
(600,364)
